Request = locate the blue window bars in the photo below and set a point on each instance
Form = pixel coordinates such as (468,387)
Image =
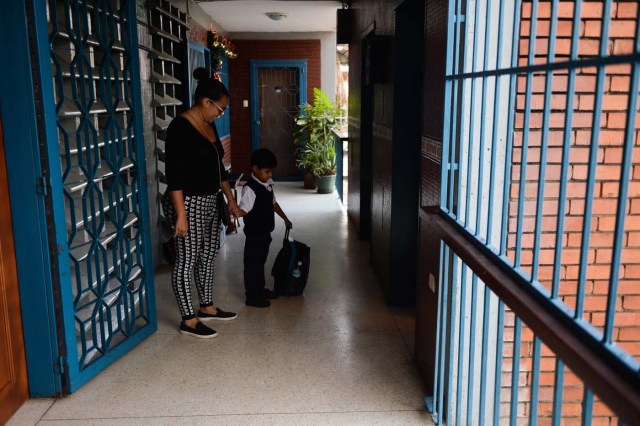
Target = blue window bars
(539,181)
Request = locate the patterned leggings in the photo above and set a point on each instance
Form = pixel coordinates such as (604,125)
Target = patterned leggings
(196,252)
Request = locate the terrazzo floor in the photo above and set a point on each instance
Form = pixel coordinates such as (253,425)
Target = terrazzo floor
(337,356)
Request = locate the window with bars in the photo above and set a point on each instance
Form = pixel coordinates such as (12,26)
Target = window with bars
(541,169)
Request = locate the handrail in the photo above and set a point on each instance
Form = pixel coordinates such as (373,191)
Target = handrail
(606,374)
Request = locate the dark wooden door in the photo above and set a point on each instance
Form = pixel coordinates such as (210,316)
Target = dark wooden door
(13,371)
(279,97)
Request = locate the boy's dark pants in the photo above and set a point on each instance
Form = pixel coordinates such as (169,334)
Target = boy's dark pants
(256,250)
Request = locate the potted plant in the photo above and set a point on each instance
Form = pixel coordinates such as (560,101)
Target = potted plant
(315,142)
(321,158)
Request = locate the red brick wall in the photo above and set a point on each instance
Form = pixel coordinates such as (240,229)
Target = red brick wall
(616,92)
(198,33)
(240,87)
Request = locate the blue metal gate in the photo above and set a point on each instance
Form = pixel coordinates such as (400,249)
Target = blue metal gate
(89,72)
(527,95)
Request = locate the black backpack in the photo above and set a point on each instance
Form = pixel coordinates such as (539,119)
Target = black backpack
(291,268)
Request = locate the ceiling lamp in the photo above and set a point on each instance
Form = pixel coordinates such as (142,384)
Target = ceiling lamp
(277,16)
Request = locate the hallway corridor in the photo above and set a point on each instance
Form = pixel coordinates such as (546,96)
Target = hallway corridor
(336,356)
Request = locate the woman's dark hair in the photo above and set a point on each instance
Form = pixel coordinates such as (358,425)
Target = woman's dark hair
(208,87)
(263,159)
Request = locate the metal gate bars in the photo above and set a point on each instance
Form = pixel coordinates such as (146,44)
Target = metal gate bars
(99,190)
(540,180)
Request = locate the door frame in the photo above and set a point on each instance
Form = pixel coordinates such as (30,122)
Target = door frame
(255,65)
(367,95)
(27,190)
(406,148)
(190,45)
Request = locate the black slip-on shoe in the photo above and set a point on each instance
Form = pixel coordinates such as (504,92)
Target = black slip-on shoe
(220,316)
(269,294)
(258,302)
(200,331)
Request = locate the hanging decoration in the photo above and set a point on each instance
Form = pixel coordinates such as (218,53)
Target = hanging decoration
(219,47)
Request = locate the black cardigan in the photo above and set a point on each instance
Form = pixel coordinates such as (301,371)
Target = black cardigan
(192,164)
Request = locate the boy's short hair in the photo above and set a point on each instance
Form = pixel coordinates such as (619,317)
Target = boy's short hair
(263,159)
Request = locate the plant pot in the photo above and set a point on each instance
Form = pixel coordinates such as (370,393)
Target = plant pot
(326,184)
(309,181)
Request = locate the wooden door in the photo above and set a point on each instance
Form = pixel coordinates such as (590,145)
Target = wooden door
(13,371)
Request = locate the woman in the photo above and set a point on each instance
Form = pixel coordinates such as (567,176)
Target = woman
(195,174)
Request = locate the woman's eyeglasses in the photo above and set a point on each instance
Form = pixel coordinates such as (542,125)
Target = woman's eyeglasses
(222,110)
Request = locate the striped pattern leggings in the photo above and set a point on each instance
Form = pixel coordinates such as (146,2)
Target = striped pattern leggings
(196,252)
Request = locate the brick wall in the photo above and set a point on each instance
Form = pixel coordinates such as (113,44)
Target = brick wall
(240,88)
(197,32)
(606,189)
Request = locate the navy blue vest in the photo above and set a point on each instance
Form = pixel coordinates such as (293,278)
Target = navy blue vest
(260,220)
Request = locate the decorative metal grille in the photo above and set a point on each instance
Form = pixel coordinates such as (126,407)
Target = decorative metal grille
(91,57)
(279,97)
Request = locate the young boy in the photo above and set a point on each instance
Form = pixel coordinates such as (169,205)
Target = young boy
(257,207)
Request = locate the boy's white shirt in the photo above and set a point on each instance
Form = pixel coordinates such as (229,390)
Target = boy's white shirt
(248,197)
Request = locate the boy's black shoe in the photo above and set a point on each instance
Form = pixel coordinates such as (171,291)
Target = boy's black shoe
(201,331)
(269,294)
(258,302)
(220,316)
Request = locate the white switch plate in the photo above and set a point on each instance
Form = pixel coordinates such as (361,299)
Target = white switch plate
(245,103)
(432,283)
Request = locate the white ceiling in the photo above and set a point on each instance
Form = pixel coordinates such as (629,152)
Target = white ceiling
(249,15)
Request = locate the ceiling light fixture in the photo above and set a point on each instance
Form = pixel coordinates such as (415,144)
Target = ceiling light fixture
(277,16)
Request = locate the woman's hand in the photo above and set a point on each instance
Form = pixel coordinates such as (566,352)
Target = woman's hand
(182,226)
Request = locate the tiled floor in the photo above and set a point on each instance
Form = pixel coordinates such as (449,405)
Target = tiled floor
(338,355)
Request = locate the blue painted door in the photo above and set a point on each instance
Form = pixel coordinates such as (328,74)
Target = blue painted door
(89,70)
(277,89)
